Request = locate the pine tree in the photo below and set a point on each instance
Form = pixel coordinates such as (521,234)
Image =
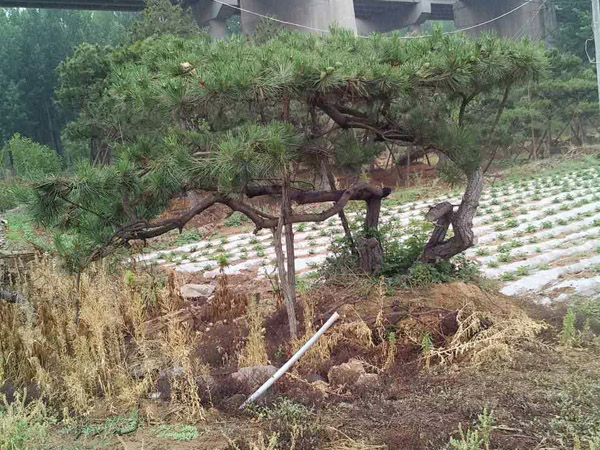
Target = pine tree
(241,119)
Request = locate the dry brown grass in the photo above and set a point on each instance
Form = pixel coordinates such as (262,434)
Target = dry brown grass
(226,303)
(254,352)
(75,363)
(483,338)
(355,331)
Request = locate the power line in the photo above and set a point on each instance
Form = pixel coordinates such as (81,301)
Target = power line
(531,19)
(487,22)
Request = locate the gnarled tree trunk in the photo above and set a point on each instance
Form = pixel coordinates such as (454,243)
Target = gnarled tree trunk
(370,250)
(442,215)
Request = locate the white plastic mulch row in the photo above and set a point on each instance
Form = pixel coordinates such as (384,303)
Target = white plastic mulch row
(568,205)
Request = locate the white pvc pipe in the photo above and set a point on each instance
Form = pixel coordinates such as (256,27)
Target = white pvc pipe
(261,390)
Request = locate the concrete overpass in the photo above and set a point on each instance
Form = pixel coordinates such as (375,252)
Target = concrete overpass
(535,19)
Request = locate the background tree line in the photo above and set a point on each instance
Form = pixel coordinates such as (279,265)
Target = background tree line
(32,45)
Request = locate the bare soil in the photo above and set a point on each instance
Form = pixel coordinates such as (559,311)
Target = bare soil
(542,397)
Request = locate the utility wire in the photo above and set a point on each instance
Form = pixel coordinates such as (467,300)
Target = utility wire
(403,37)
(531,19)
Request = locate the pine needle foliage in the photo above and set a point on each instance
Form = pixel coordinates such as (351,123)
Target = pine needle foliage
(183,113)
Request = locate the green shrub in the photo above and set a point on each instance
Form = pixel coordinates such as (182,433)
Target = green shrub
(236,219)
(13,193)
(458,268)
(401,247)
(30,160)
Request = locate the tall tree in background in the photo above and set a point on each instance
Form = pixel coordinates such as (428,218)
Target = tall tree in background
(574,27)
(32,44)
(84,77)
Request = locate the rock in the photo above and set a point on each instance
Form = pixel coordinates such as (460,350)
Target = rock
(346,374)
(322,387)
(368,381)
(189,291)
(234,402)
(314,377)
(254,376)
(163,382)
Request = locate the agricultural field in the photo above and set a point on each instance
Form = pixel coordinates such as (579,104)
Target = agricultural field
(538,236)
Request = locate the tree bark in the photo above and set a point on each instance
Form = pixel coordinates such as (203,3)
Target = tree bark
(442,215)
(283,280)
(342,214)
(371,255)
(286,213)
(362,192)
(370,250)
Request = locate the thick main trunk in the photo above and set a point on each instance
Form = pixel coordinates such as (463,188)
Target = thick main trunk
(100,154)
(370,250)
(438,248)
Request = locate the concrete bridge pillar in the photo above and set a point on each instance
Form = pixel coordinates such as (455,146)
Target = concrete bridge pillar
(535,20)
(319,14)
(213,16)
(403,15)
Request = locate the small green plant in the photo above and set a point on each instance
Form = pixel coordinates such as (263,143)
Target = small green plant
(426,347)
(569,336)
(504,257)
(175,432)
(515,243)
(477,439)
(223,260)
(546,225)
(236,219)
(482,251)
(301,227)
(493,264)
(188,237)
(522,271)
(508,276)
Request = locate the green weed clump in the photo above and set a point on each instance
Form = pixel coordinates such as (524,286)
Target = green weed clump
(22,426)
(401,248)
(188,237)
(182,433)
(236,219)
(475,439)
